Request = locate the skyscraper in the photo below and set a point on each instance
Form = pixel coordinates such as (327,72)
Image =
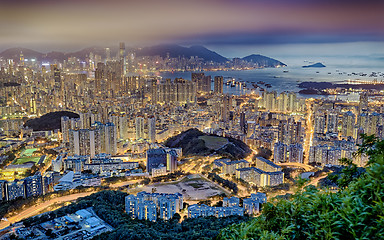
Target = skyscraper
(218,85)
(152,129)
(122,58)
(295,153)
(348,124)
(363,101)
(139,127)
(110,139)
(107,54)
(280,152)
(243,123)
(203,83)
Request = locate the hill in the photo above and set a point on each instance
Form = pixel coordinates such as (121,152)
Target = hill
(14,53)
(49,121)
(171,50)
(193,144)
(263,61)
(353,212)
(315,65)
(175,51)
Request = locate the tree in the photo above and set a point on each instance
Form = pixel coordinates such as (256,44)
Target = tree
(354,212)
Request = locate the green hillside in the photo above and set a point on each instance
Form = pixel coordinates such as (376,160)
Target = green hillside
(356,211)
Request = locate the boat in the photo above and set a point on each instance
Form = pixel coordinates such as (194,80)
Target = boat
(285,71)
(260,82)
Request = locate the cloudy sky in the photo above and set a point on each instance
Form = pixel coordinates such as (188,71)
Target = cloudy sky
(74,24)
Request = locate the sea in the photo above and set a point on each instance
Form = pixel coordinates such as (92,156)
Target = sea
(341,61)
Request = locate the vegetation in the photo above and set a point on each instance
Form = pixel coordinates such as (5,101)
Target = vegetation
(193,143)
(264,152)
(224,182)
(356,211)
(49,121)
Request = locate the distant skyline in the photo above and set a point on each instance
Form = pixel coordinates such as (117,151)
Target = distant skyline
(71,25)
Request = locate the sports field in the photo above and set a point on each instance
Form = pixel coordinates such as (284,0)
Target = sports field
(23,160)
(28,152)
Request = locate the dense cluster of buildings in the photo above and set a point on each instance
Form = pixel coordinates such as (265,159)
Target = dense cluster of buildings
(150,206)
(28,187)
(231,206)
(265,172)
(98,164)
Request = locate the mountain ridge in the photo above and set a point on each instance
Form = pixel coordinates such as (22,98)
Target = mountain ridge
(164,50)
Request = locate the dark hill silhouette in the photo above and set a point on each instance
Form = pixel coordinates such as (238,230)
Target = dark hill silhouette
(191,144)
(49,121)
(175,51)
(263,61)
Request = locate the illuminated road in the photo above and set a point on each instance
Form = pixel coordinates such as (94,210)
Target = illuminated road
(122,184)
(308,130)
(300,165)
(35,210)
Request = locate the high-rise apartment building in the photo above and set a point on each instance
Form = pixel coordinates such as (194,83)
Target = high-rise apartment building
(152,129)
(280,152)
(139,127)
(218,84)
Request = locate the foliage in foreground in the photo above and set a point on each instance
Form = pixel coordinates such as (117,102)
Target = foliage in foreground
(354,212)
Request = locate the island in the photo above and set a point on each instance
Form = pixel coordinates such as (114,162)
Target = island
(315,65)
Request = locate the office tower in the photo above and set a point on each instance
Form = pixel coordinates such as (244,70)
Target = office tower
(243,123)
(158,156)
(332,122)
(107,54)
(348,124)
(33,185)
(21,58)
(363,102)
(122,51)
(152,129)
(110,139)
(218,85)
(295,153)
(57,78)
(99,77)
(139,127)
(280,152)
(122,58)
